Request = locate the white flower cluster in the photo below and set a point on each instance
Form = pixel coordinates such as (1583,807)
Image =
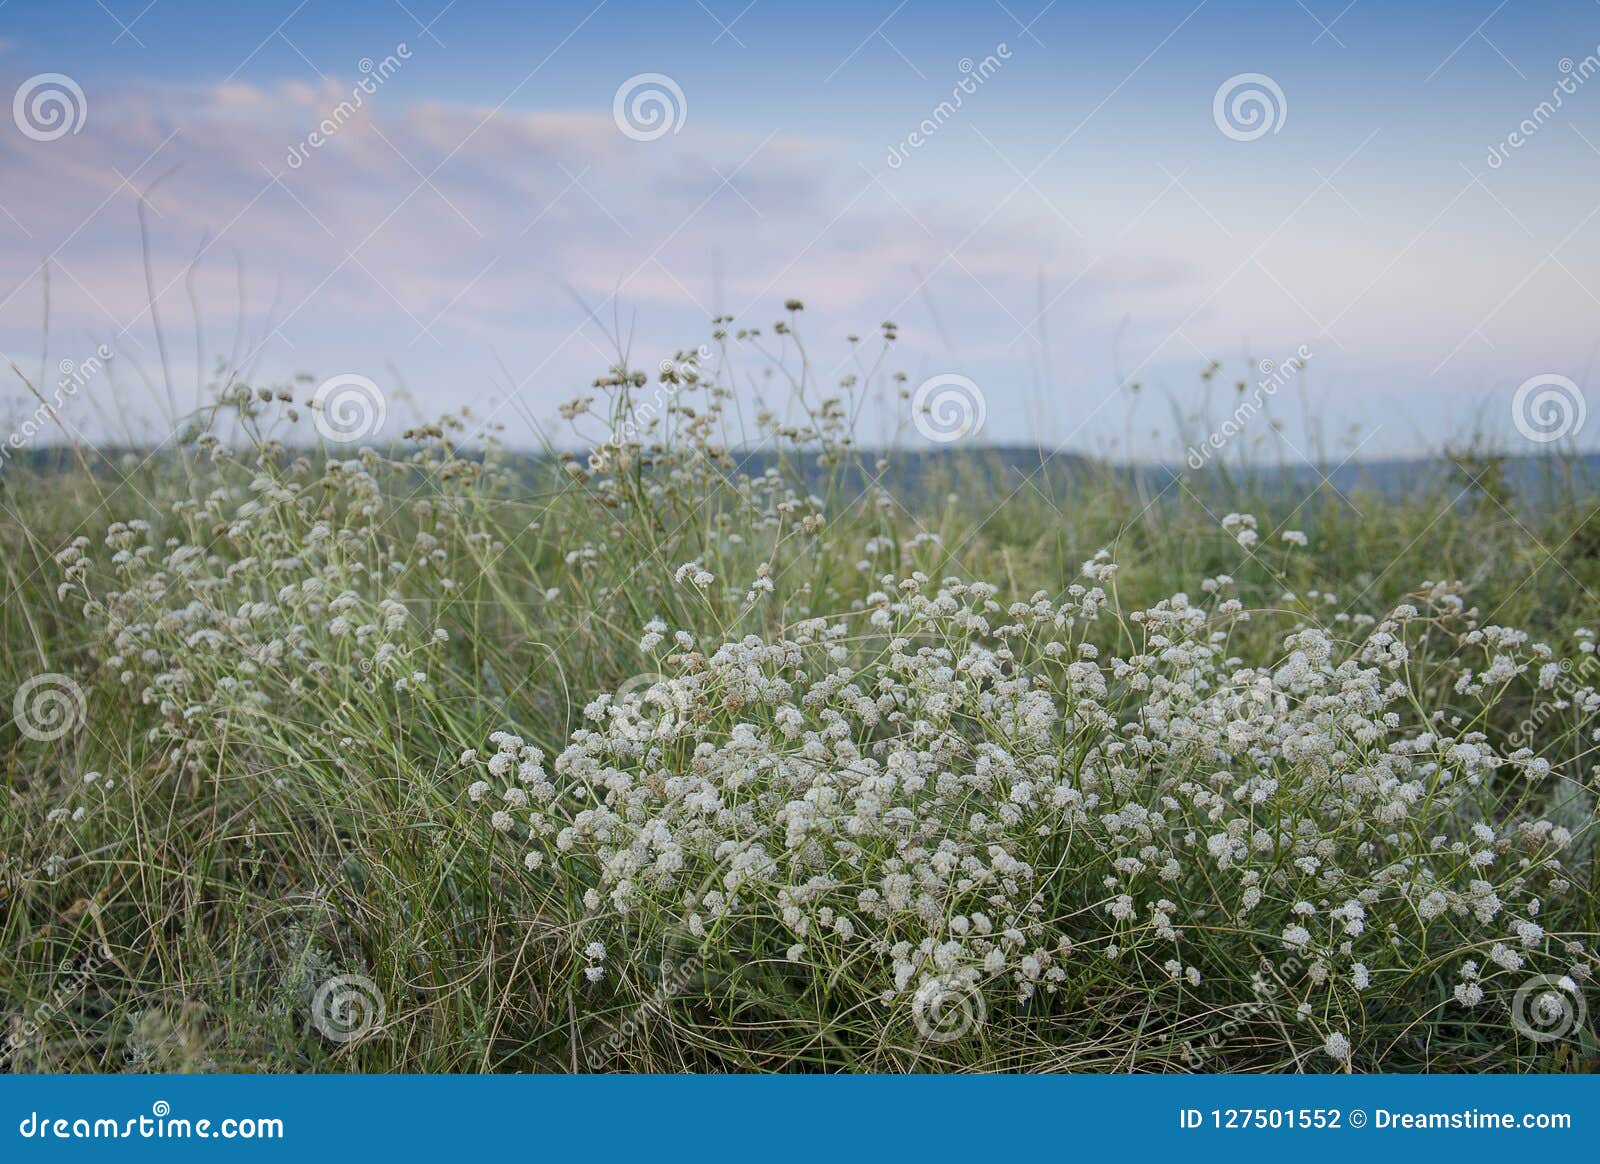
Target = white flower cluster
(935,787)
(265,605)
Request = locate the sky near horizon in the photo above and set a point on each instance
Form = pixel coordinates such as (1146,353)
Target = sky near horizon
(1416,207)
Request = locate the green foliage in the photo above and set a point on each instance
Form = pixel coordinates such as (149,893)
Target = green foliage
(283,649)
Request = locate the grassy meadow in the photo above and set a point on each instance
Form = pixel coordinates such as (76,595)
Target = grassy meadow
(713,738)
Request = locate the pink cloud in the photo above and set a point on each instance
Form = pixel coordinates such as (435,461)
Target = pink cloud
(443,237)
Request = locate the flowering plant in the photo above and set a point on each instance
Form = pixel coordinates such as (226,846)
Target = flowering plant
(937,798)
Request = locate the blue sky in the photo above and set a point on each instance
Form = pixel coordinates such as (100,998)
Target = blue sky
(1080,223)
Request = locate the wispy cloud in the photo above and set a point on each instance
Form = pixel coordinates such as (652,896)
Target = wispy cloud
(419,230)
